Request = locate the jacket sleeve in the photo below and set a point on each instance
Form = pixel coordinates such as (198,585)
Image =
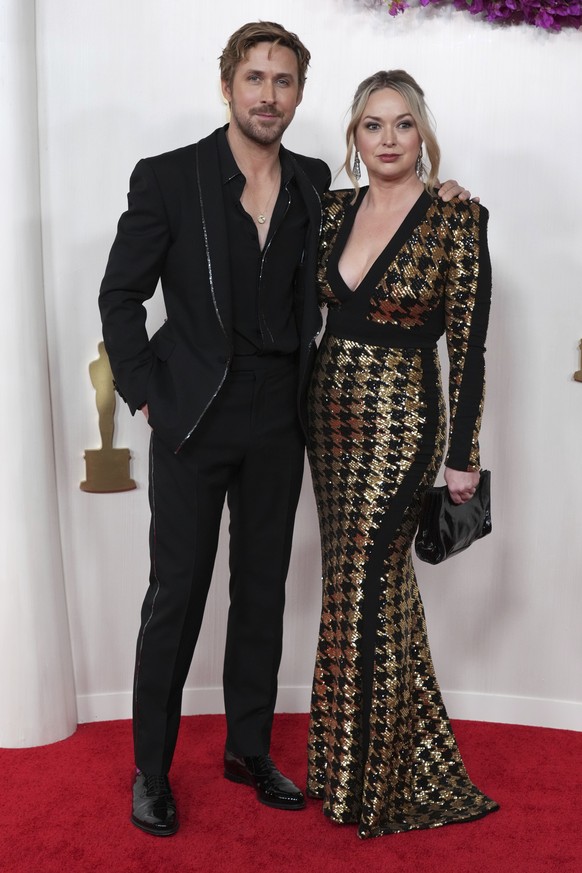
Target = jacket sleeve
(131,277)
(325,177)
(467,304)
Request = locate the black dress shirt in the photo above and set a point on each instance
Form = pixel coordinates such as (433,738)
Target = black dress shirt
(263,281)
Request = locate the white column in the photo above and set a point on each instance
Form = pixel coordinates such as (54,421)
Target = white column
(37,692)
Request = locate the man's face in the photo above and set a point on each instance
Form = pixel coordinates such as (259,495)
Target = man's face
(264,93)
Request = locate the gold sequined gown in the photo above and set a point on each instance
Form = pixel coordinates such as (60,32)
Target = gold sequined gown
(382,753)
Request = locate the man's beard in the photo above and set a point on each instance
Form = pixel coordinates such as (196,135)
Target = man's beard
(259,132)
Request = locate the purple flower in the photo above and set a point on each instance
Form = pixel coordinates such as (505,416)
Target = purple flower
(546,14)
(396,6)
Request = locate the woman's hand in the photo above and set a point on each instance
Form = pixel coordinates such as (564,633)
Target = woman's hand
(461,485)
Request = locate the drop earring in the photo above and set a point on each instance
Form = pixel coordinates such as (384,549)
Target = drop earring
(357,169)
(419,165)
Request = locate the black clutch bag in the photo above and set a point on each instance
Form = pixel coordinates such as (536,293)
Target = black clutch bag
(446,528)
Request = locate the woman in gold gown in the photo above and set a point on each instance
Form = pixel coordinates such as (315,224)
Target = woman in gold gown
(398,268)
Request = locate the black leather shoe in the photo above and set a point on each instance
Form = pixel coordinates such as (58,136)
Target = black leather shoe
(154,807)
(273,789)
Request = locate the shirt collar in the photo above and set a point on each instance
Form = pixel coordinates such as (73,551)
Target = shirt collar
(229,168)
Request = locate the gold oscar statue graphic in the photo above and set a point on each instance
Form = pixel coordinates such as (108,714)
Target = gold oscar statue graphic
(107,469)
(578,373)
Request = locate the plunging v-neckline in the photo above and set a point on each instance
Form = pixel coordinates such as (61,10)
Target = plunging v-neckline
(387,254)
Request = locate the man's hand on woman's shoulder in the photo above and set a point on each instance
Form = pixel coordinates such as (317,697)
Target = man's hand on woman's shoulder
(451,188)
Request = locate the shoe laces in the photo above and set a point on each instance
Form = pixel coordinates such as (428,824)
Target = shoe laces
(156,785)
(265,759)
(264,766)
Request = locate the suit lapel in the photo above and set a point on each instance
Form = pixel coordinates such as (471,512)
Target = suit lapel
(311,198)
(209,183)
(310,317)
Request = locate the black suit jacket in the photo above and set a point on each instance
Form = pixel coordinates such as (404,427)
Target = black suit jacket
(175,230)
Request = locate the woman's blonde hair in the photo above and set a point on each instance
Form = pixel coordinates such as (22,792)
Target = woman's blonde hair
(410,90)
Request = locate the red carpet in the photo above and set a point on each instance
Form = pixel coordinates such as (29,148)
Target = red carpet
(66,808)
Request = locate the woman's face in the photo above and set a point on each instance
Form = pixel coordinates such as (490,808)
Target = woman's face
(387,137)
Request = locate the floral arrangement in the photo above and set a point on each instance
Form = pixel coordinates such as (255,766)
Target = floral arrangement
(547,14)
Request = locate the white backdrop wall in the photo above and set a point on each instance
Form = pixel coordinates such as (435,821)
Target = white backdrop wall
(121,80)
(36,675)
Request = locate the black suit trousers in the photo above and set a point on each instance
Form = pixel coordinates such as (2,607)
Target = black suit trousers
(248,449)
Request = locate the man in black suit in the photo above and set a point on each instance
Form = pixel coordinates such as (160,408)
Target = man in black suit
(230,225)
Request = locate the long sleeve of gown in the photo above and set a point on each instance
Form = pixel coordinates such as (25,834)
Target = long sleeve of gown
(467,304)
